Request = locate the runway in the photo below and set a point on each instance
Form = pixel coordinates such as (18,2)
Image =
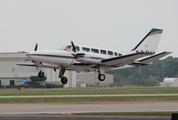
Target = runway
(83,117)
(66,111)
(87,107)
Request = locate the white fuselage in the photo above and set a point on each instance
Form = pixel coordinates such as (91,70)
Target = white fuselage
(64,57)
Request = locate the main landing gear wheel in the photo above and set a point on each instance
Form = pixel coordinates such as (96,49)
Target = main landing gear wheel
(64,80)
(41,74)
(101,77)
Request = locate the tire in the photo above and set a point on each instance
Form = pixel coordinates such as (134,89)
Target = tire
(101,77)
(41,74)
(64,80)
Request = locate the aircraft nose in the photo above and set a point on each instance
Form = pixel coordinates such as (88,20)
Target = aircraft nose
(30,54)
(27,54)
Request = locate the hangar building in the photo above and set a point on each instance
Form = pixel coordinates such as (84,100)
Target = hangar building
(10,73)
(91,79)
(169,82)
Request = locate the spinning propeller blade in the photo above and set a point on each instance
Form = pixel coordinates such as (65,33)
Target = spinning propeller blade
(73,46)
(36,47)
(36,64)
(76,55)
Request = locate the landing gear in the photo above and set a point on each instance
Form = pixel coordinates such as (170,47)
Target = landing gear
(64,80)
(41,74)
(101,77)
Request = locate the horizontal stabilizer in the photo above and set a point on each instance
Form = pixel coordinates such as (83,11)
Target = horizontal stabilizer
(154,57)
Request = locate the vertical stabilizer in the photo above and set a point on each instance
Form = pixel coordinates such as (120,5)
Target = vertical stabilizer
(149,42)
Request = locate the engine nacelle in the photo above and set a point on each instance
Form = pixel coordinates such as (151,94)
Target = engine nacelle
(88,60)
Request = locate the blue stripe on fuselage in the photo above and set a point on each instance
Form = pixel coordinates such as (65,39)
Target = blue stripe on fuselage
(60,56)
(46,55)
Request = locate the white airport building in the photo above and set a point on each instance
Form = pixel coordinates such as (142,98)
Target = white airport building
(91,79)
(169,82)
(10,72)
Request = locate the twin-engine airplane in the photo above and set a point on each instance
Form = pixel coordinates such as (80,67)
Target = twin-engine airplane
(83,58)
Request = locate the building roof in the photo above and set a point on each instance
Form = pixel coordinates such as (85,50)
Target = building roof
(13,56)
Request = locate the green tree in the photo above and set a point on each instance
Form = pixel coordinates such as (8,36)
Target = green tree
(149,75)
(151,81)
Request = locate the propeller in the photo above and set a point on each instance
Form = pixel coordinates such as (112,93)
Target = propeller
(36,64)
(36,47)
(76,55)
(73,47)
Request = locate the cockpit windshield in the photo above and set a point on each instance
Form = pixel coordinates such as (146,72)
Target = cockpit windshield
(66,48)
(69,48)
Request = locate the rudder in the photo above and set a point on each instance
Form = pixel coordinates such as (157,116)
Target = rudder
(150,42)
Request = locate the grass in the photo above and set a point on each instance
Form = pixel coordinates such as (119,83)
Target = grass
(91,91)
(88,99)
(127,113)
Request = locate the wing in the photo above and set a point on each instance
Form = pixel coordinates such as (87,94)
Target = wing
(26,64)
(45,65)
(110,63)
(122,60)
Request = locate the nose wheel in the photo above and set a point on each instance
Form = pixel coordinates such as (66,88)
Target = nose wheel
(101,77)
(41,74)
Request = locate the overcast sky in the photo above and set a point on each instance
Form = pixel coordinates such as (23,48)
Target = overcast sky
(112,24)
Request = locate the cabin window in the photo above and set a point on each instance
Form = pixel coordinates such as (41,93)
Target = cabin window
(86,49)
(77,48)
(12,82)
(95,50)
(103,51)
(110,53)
(115,53)
(119,54)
